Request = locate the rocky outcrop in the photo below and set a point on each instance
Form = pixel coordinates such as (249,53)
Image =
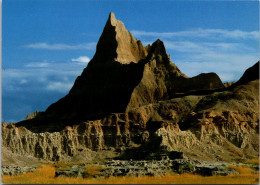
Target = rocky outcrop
(16,170)
(119,168)
(162,79)
(204,168)
(122,75)
(53,146)
(228,84)
(149,168)
(32,115)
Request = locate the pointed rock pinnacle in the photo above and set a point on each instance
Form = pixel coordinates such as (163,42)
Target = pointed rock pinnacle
(118,44)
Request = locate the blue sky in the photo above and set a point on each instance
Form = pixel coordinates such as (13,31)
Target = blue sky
(47,43)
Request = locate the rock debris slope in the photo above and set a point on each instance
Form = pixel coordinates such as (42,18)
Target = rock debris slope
(132,100)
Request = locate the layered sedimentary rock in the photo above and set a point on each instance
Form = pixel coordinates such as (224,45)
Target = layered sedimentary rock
(53,146)
(134,100)
(220,126)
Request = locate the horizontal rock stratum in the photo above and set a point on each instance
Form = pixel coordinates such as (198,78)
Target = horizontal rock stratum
(134,101)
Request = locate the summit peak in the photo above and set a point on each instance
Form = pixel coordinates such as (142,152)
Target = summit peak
(112,21)
(111,17)
(118,44)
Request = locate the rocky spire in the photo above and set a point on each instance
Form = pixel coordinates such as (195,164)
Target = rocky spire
(117,43)
(121,77)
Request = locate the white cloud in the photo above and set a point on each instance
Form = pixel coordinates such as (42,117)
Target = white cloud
(37,64)
(83,59)
(205,47)
(59,86)
(202,33)
(23,81)
(46,46)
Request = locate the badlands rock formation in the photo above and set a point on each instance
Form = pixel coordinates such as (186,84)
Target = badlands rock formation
(122,75)
(133,101)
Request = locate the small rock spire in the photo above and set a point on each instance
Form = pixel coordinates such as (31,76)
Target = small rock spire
(112,19)
(112,15)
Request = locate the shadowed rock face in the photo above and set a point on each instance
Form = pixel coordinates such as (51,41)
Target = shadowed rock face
(107,83)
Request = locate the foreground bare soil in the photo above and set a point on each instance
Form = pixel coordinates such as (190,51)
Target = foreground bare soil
(45,175)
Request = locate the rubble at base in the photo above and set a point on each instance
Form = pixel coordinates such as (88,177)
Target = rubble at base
(16,170)
(151,168)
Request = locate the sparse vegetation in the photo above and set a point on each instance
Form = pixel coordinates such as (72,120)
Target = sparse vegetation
(91,171)
(45,175)
(253,161)
(63,165)
(242,169)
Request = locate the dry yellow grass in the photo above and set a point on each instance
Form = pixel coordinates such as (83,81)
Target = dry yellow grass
(253,161)
(64,165)
(90,171)
(45,175)
(242,169)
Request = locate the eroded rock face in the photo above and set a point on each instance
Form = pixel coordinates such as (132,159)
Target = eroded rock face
(53,146)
